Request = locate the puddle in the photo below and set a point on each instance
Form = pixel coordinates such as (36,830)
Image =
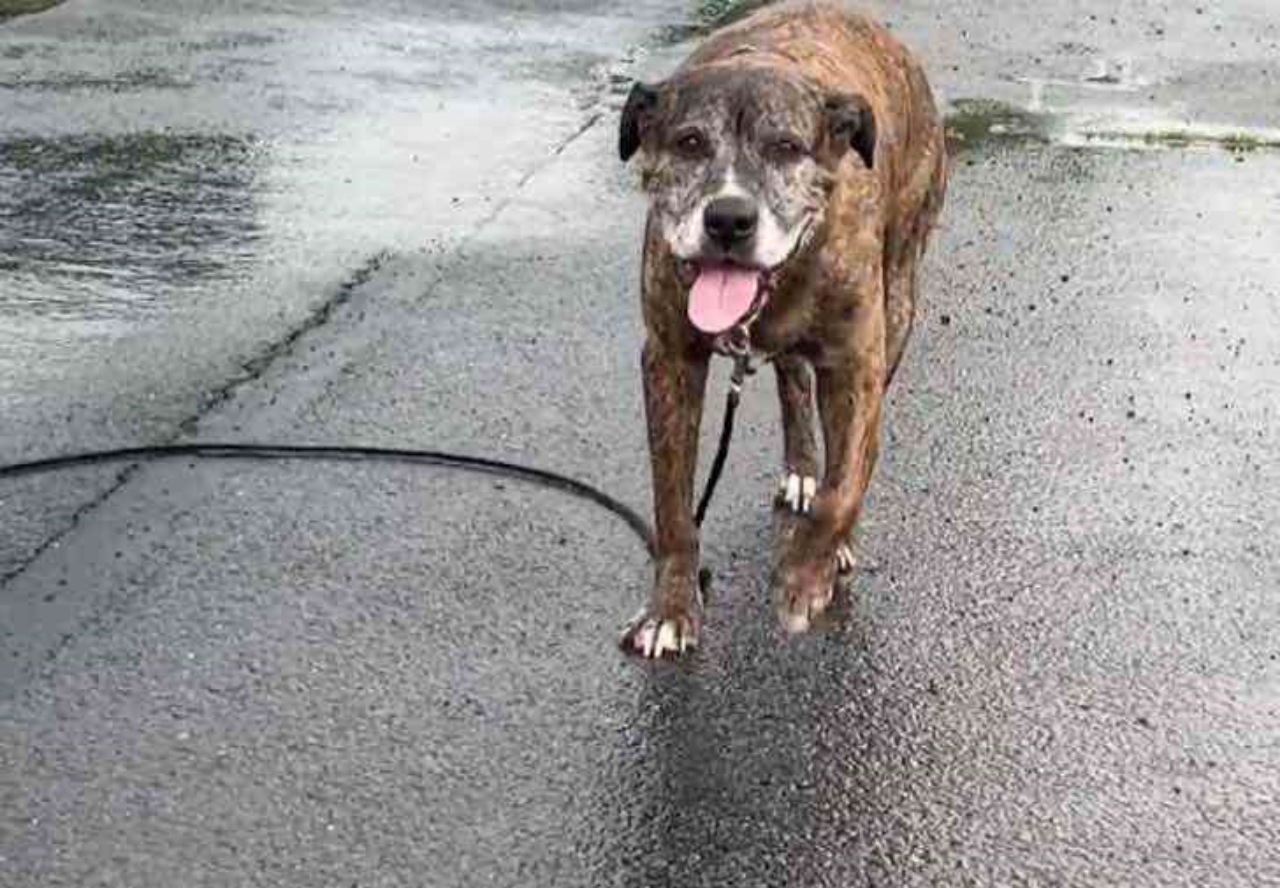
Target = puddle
(708,16)
(99,225)
(973,123)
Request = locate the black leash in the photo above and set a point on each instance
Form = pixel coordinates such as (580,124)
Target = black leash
(741,367)
(543,477)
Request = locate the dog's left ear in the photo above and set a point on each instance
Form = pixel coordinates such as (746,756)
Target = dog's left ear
(636,115)
(850,124)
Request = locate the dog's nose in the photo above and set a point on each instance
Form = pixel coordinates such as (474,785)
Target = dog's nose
(730,220)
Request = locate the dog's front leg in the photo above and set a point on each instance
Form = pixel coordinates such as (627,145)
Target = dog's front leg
(850,395)
(674,384)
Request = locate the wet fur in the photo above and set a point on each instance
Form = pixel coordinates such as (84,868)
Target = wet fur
(869,191)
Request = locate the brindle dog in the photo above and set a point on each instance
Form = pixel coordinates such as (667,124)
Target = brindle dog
(795,165)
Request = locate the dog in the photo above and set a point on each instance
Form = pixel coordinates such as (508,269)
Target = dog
(795,165)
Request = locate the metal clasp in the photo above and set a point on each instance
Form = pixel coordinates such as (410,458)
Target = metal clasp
(737,342)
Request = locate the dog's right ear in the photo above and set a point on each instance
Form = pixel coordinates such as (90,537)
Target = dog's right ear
(636,115)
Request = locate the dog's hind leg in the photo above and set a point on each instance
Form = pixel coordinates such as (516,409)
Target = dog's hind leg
(900,308)
(850,389)
(903,258)
(798,486)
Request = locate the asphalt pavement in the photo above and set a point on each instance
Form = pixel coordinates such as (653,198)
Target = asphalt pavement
(1058,664)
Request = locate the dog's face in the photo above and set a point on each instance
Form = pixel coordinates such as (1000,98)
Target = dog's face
(739,162)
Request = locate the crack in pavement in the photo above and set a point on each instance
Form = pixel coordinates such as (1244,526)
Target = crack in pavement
(253,369)
(258,365)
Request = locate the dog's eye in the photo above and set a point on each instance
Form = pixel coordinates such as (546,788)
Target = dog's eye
(691,145)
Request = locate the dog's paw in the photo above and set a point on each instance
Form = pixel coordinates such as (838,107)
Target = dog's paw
(654,637)
(797,492)
(803,592)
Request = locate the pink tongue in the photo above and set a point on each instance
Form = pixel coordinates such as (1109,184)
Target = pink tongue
(721,296)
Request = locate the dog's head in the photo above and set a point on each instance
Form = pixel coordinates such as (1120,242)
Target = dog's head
(739,163)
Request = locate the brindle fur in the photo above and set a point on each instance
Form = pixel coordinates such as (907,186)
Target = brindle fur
(843,304)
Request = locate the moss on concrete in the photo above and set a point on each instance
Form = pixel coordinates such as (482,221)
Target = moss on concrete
(972,123)
(11,8)
(709,15)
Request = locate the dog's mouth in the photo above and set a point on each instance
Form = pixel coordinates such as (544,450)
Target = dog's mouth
(723,295)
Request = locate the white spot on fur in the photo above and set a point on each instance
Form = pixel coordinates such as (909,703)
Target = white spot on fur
(732,187)
(772,244)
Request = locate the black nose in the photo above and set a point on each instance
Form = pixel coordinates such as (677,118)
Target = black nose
(730,220)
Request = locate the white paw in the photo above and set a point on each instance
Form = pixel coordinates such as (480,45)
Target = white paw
(800,610)
(846,561)
(653,638)
(797,492)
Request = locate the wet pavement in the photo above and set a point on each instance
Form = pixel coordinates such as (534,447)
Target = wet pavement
(181,191)
(1058,665)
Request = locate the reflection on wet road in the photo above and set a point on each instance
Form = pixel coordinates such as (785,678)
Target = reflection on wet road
(1056,665)
(165,171)
(182,190)
(101,228)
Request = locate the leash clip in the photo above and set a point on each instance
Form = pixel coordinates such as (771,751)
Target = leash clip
(737,342)
(737,345)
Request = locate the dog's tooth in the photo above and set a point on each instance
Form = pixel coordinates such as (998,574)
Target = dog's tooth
(808,491)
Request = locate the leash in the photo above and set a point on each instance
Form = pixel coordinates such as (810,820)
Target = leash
(541,477)
(734,343)
(334,453)
(741,369)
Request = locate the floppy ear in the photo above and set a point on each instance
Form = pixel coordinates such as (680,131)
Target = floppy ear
(636,114)
(850,124)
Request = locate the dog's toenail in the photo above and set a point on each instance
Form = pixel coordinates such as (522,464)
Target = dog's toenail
(645,639)
(667,640)
(793,491)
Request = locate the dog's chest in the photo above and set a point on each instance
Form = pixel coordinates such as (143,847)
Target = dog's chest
(786,325)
